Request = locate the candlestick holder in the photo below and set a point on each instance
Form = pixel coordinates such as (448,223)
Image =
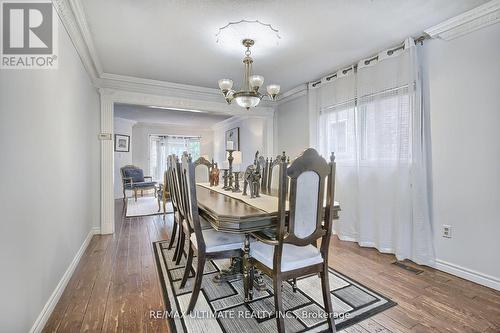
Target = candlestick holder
(230,175)
(224,176)
(236,182)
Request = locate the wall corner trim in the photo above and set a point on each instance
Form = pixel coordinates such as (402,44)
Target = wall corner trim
(56,294)
(468,274)
(462,24)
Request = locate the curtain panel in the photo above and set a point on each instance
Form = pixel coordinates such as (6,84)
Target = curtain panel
(372,117)
(163,145)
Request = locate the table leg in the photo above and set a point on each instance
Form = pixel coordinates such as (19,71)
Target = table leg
(259,281)
(230,274)
(246,269)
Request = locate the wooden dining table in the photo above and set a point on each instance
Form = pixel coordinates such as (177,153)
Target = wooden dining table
(233,213)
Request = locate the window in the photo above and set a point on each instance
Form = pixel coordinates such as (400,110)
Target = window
(163,145)
(337,131)
(373,129)
(384,126)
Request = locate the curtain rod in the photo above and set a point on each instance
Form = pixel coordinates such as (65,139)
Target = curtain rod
(420,39)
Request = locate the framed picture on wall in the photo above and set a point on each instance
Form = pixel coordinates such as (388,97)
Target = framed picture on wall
(122,143)
(233,135)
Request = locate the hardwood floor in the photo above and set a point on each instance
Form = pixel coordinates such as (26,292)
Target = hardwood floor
(116,285)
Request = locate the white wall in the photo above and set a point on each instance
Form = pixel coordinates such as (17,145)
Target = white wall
(292,122)
(49,202)
(462,85)
(122,126)
(142,131)
(254,136)
(463,77)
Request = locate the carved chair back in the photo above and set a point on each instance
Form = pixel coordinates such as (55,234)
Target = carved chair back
(264,166)
(181,205)
(306,178)
(188,183)
(170,181)
(202,170)
(273,175)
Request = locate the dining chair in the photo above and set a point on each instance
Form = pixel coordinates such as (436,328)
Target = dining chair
(206,243)
(202,170)
(264,169)
(291,255)
(184,229)
(273,174)
(171,185)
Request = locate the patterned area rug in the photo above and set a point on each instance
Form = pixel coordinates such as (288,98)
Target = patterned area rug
(145,206)
(220,307)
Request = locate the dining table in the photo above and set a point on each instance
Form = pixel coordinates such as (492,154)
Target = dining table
(233,212)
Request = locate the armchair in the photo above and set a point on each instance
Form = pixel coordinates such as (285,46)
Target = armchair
(133,179)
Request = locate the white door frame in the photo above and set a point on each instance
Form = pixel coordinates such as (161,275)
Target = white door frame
(205,102)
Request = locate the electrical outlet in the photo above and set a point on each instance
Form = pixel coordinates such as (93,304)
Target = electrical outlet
(446,231)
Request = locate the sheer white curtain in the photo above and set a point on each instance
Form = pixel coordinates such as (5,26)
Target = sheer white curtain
(163,145)
(372,118)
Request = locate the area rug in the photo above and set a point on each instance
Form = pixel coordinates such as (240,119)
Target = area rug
(144,206)
(220,307)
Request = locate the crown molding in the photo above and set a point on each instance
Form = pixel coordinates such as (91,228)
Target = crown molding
(73,18)
(292,94)
(238,118)
(125,120)
(163,88)
(167,124)
(191,102)
(472,20)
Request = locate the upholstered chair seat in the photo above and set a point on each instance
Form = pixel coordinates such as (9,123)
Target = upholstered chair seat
(216,241)
(293,257)
(142,185)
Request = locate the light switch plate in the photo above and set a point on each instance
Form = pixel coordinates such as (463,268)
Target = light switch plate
(105,136)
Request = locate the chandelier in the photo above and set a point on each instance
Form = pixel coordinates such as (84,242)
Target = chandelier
(248,96)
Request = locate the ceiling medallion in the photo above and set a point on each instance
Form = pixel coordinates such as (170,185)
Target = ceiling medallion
(264,33)
(249,95)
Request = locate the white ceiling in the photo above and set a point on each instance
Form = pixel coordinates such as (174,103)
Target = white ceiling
(172,117)
(174,40)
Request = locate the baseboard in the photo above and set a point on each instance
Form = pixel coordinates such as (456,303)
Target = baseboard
(56,294)
(468,274)
(464,273)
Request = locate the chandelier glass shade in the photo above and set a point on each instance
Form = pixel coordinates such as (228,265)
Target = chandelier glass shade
(248,96)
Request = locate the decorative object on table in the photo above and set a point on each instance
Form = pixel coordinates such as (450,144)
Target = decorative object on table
(251,181)
(133,179)
(214,175)
(122,143)
(248,96)
(234,164)
(252,177)
(230,158)
(233,139)
(224,177)
(236,187)
(350,296)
